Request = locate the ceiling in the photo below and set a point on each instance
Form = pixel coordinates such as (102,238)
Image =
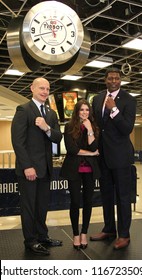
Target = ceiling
(109,22)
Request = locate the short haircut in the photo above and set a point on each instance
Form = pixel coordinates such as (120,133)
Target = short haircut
(112,70)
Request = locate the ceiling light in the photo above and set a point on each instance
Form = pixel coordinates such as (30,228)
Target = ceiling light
(134,94)
(13,72)
(100,62)
(125,81)
(71,77)
(135,44)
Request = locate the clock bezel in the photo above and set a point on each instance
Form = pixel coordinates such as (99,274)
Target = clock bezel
(19,56)
(40,55)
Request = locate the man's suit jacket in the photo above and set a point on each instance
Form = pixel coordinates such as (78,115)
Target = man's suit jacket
(115,133)
(33,148)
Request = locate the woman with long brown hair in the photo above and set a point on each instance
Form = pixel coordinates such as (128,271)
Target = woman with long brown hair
(80,167)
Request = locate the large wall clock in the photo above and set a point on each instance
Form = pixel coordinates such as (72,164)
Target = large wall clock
(52,32)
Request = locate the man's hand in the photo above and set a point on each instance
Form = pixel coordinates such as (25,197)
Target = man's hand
(30,174)
(41,123)
(110,103)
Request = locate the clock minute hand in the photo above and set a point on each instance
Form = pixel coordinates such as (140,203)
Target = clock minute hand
(42,34)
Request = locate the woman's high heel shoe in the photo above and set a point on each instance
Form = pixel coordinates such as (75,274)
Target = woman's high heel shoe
(76,240)
(77,247)
(83,246)
(84,243)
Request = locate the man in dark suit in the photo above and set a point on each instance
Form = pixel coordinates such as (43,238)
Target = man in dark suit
(115,111)
(34,128)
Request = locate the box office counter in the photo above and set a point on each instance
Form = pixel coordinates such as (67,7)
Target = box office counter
(59,194)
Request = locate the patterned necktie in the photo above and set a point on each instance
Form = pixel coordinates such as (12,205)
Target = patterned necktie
(43,111)
(106,111)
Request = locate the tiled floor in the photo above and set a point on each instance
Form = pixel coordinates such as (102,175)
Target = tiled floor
(57,218)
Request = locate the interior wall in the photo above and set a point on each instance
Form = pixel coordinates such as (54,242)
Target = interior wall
(132,137)
(6,157)
(138,138)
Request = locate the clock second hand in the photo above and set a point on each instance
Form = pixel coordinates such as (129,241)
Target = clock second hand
(53,31)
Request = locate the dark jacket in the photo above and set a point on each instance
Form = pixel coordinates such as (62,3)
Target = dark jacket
(69,169)
(33,148)
(115,133)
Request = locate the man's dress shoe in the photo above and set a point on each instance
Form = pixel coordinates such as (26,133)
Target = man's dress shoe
(51,242)
(102,236)
(37,248)
(121,243)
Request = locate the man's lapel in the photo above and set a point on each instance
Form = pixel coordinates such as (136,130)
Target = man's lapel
(35,109)
(48,115)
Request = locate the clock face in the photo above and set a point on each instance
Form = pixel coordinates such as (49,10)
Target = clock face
(54,35)
(52,32)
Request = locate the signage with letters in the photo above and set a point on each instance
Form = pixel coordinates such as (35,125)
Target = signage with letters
(59,193)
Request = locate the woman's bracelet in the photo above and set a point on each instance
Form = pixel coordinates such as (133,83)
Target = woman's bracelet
(91,133)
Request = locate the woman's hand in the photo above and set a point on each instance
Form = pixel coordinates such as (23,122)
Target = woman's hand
(96,153)
(87,124)
(88,153)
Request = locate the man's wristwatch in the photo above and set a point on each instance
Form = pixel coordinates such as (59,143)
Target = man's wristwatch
(113,109)
(48,129)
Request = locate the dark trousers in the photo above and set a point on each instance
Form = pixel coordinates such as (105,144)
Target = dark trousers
(34,198)
(115,184)
(86,180)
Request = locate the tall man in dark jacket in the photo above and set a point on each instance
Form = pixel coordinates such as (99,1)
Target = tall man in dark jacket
(34,128)
(115,111)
